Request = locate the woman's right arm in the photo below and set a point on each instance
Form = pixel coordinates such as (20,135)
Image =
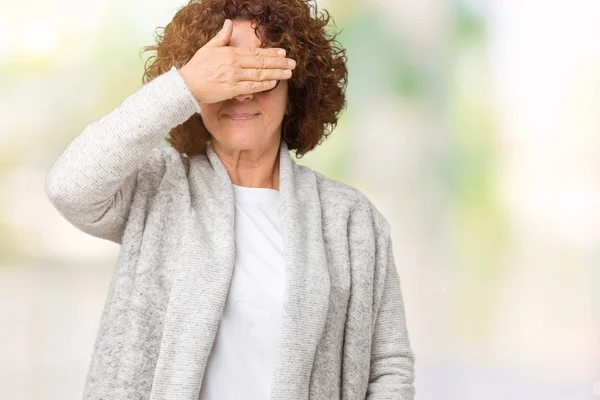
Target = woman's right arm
(93,181)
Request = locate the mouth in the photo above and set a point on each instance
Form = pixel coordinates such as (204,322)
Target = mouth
(241,117)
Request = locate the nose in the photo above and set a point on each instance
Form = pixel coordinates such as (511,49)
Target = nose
(243,97)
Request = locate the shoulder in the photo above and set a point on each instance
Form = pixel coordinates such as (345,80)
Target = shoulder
(162,160)
(163,155)
(340,197)
(161,170)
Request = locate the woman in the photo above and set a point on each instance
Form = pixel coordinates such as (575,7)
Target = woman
(241,274)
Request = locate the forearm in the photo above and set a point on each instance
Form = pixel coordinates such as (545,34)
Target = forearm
(94,176)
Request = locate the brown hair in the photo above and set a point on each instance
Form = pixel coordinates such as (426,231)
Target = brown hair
(316,91)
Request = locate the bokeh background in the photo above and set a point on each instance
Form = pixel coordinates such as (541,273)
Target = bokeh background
(474,126)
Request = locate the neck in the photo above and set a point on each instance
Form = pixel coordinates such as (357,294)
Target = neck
(251,168)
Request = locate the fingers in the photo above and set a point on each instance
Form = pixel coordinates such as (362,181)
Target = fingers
(259,51)
(266,62)
(223,36)
(257,74)
(254,86)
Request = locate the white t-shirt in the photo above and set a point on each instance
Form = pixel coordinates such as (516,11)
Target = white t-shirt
(241,362)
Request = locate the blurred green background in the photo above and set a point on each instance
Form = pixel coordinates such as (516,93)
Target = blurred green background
(474,126)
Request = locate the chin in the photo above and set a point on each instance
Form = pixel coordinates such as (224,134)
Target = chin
(241,140)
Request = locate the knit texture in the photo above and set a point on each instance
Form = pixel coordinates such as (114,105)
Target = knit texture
(343,333)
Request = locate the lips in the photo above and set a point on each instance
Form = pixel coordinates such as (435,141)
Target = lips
(241,116)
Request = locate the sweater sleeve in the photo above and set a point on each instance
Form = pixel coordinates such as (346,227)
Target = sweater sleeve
(93,181)
(391,372)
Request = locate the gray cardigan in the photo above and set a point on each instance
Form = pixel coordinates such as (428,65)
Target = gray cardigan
(343,333)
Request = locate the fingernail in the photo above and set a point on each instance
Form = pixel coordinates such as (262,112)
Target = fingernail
(281,52)
(292,63)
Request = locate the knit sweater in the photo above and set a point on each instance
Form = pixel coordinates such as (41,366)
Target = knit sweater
(343,329)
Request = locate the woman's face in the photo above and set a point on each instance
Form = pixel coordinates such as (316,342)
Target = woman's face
(259,132)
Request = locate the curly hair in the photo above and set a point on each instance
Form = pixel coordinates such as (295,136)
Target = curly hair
(316,90)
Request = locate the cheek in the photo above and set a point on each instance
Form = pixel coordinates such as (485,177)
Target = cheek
(275,105)
(210,112)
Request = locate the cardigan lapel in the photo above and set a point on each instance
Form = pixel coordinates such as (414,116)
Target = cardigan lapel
(307,285)
(206,257)
(205,260)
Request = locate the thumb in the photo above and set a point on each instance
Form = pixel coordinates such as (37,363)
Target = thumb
(223,36)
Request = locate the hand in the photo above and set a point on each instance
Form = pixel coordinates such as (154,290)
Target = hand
(218,72)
